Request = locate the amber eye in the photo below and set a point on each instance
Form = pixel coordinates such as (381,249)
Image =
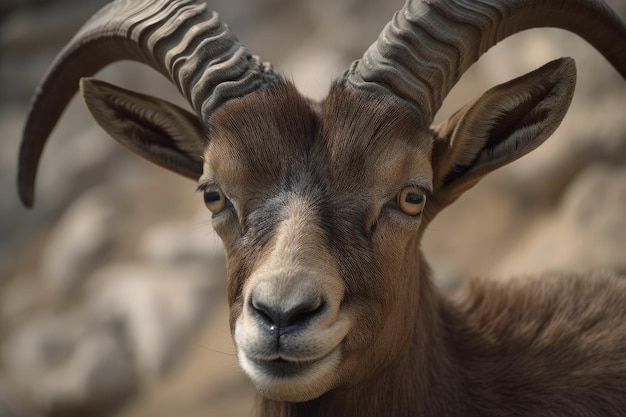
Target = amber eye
(411,201)
(214,200)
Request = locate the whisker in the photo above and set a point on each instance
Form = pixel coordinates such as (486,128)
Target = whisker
(214,350)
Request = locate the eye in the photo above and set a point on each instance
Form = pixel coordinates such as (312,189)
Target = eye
(215,200)
(412,200)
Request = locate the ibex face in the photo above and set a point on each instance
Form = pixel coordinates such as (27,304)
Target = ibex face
(319,213)
(321,206)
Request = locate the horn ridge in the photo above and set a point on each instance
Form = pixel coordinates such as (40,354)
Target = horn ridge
(445,37)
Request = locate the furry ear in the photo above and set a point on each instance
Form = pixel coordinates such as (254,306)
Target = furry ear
(505,123)
(154,129)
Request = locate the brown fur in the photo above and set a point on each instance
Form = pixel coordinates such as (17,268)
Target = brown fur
(549,346)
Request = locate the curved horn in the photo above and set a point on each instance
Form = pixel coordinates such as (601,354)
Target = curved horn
(182,39)
(429,44)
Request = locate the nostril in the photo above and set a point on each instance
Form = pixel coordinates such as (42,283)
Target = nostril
(267,315)
(286,319)
(300,314)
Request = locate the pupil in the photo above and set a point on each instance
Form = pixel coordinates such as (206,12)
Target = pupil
(211,196)
(414,198)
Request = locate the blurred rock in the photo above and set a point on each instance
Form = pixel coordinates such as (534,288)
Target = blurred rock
(11,211)
(78,160)
(19,298)
(68,364)
(311,65)
(77,240)
(9,406)
(587,232)
(156,307)
(449,276)
(181,241)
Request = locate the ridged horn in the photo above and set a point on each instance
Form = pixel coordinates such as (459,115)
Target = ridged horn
(429,44)
(182,39)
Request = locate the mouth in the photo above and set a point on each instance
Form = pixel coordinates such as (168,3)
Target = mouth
(284,368)
(292,380)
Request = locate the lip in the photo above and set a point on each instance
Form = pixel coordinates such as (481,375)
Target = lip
(280,367)
(284,368)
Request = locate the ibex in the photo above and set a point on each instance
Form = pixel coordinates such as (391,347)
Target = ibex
(321,206)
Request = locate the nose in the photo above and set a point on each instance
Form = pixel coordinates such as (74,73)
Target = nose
(286,316)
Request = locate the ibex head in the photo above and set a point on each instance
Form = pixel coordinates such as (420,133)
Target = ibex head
(321,206)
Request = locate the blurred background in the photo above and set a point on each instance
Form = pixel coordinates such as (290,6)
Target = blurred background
(112,287)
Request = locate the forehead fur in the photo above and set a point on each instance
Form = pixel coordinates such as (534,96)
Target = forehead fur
(360,125)
(350,142)
(262,134)
(381,137)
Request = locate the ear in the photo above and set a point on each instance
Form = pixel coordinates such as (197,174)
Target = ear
(154,129)
(506,122)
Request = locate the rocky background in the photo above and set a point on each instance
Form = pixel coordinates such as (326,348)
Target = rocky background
(112,288)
